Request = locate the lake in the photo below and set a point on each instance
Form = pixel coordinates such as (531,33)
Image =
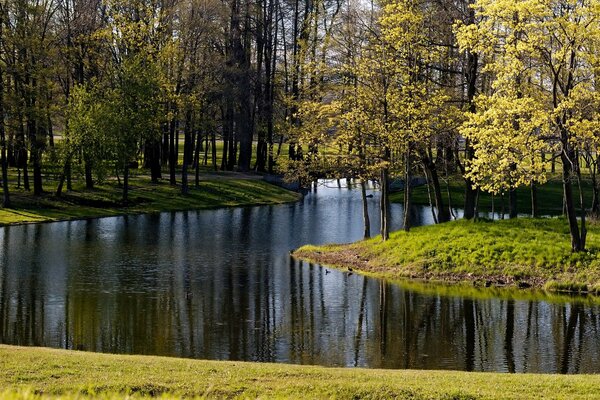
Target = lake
(220,284)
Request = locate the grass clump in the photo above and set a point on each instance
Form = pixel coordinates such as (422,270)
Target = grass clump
(38,373)
(524,252)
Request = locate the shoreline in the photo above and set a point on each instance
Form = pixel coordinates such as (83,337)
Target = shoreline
(147,198)
(348,260)
(441,254)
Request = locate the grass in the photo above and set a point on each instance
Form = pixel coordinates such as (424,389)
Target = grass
(523,252)
(34,373)
(216,189)
(145,197)
(550,196)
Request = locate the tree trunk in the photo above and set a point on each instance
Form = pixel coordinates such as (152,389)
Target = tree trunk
(567,155)
(471,75)
(225,152)
(125,199)
(213,148)
(365,204)
(172,151)
(384,204)
(152,159)
(36,155)
(63,175)
(443,214)
(187,151)
(197,158)
(407,193)
(68,173)
(164,154)
(512,203)
(470,198)
(3,160)
(534,200)
(89,178)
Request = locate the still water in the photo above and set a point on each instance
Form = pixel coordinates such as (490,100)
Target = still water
(220,284)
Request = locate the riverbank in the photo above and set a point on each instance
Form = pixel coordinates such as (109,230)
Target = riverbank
(523,252)
(145,197)
(34,373)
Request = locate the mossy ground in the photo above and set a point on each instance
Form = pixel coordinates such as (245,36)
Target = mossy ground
(33,373)
(520,252)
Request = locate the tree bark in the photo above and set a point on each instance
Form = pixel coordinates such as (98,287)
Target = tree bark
(172,150)
(125,199)
(534,200)
(365,204)
(471,75)
(512,203)
(187,151)
(3,160)
(407,193)
(384,204)
(567,156)
(89,178)
(443,213)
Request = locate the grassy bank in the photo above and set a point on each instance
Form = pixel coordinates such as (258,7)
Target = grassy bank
(523,252)
(145,197)
(39,372)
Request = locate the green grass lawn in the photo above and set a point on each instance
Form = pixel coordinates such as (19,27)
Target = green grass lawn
(33,373)
(521,252)
(145,197)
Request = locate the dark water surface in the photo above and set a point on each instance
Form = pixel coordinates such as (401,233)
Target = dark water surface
(220,284)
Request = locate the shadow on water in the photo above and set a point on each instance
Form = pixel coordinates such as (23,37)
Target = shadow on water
(220,284)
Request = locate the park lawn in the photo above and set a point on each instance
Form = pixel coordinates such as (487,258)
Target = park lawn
(33,373)
(523,252)
(144,197)
(549,195)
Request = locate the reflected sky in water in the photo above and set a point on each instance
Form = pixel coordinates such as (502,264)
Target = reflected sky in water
(220,284)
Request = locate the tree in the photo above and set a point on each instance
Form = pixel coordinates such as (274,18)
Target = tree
(3,144)
(384,105)
(540,58)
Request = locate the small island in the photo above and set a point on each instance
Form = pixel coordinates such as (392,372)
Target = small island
(523,253)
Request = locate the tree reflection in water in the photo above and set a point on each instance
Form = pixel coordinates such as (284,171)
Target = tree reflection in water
(220,285)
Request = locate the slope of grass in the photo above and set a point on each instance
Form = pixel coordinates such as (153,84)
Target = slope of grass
(145,197)
(522,252)
(34,373)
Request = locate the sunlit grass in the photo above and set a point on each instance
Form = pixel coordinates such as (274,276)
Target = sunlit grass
(144,197)
(522,251)
(33,373)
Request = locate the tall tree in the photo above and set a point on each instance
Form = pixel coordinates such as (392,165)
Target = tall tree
(548,89)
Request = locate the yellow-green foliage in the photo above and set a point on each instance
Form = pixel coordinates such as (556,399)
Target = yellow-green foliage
(33,373)
(383,104)
(541,61)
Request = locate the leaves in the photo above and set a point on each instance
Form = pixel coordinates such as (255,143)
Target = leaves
(541,60)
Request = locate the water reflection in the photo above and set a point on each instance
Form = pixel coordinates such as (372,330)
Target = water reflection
(220,285)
